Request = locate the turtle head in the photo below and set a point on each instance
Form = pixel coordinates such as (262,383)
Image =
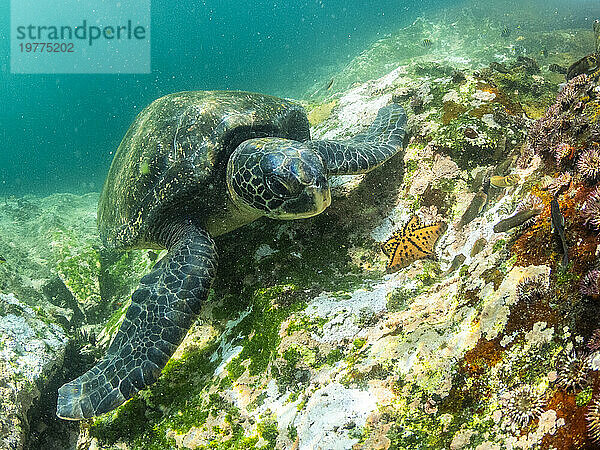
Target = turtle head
(279,178)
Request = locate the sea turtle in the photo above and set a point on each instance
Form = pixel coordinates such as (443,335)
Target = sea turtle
(589,64)
(194,165)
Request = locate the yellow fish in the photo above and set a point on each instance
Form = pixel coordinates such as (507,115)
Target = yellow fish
(502,182)
(413,242)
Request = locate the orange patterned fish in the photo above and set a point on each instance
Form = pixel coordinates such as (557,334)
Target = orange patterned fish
(413,242)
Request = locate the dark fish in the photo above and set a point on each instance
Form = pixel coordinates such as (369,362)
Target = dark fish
(558,227)
(515,220)
(329,84)
(478,181)
(505,32)
(456,263)
(588,65)
(499,67)
(557,69)
(504,166)
(474,209)
(478,246)
(471,133)
(2,259)
(427,43)
(152,255)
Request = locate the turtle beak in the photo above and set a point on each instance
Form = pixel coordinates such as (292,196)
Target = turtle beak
(321,194)
(320,197)
(312,201)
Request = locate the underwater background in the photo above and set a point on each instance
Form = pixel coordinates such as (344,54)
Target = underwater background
(59,130)
(316,334)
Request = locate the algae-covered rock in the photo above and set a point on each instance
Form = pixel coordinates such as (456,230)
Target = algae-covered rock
(31,350)
(320,113)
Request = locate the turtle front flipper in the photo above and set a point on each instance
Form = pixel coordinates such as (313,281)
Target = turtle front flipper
(162,310)
(365,151)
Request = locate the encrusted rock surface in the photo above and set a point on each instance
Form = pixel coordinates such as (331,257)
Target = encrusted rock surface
(307,342)
(31,350)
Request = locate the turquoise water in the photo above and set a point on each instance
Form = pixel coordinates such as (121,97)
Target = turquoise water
(59,131)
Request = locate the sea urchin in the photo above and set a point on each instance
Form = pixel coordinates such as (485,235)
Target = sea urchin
(588,164)
(523,404)
(572,371)
(590,284)
(593,420)
(532,288)
(590,210)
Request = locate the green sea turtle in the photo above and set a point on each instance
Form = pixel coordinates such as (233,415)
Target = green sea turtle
(195,165)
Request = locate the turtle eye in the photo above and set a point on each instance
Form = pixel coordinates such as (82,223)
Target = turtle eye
(277,186)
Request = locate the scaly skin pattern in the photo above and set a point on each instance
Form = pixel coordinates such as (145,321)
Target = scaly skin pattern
(162,310)
(365,151)
(169,187)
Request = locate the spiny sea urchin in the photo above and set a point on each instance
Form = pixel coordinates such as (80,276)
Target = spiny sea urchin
(523,404)
(588,164)
(593,343)
(572,371)
(590,211)
(593,420)
(590,284)
(532,288)
(563,151)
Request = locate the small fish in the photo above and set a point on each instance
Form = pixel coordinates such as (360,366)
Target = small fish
(427,42)
(499,67)
(557,69)
(329,84)
(558,227)
(478,246)
(474,209)
(544,53)
(2,259)
(456,263)
(478,181)
(515,220)
(505,32)
(502,182)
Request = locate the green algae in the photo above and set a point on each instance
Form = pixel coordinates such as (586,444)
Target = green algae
(266,308)
(584,397)
(499,245)
(468,152)
(431,273)
(261,328)
(398,299)
(78,265)
(267,429)
(304,322)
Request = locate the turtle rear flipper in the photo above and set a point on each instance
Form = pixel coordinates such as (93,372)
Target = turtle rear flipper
(162,310)
(365,151)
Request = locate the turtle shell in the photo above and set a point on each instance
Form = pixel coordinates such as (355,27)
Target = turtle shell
(172,161)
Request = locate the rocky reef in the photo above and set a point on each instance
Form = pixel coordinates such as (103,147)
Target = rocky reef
(306,340)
